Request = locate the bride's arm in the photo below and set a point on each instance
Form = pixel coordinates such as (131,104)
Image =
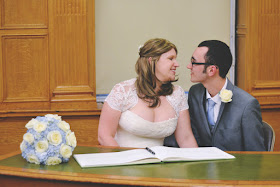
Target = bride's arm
(183,132)
(108,124)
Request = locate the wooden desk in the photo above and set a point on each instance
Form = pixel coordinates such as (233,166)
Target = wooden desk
(249,168)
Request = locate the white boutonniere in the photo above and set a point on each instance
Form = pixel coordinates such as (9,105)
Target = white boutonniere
(226,95)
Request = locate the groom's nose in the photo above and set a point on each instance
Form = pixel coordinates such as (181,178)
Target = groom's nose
(189,66)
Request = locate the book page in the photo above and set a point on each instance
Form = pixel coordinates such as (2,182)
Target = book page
(135,156)
(189,154)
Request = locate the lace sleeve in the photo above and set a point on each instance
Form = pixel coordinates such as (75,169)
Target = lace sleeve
(116,99)
(178,99)
(183,105)
(123,96)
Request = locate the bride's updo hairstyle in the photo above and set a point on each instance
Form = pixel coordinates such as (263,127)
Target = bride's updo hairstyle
(146,79)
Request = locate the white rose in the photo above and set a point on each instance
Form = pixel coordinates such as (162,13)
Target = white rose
(54,137)
(31,123)
(39,127)
(23,146)
(226,95)
(53,161)
(71,139)
(42,146)
(33,159)
(28,137)
(55,116)
(64,126)
(65,151)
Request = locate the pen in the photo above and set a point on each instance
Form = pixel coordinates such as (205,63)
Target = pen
(150,150)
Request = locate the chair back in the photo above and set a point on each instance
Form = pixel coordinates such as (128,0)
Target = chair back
(269,136)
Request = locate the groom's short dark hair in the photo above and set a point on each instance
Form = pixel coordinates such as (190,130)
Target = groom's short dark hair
(218,54)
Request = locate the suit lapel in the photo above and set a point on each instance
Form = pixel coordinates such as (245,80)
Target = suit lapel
(203,108)
(223,105)
(220,114)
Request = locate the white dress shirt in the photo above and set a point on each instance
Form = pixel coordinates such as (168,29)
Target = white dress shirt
(217,100)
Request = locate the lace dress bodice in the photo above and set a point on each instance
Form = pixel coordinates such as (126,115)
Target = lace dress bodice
(133,130)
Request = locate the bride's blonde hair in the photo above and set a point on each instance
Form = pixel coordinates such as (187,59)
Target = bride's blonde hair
(145,69)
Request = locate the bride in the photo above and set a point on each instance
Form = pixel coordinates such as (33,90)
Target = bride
(141,112)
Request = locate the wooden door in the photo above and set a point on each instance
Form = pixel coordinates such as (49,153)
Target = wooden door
(47,49)
(258,54)
(47,65)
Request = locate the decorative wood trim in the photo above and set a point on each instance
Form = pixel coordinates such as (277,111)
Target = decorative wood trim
(24,32)
(23,99)
(66,93)
(33,113)
(72,89)
(268,100)
(267,85)
(266,94)
(23,26)
(241,31)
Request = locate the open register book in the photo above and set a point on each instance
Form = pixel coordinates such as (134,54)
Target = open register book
(150,155)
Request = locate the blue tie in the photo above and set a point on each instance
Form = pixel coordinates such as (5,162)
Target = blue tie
(210,112)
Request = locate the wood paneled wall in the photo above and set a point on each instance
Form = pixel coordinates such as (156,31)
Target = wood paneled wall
(12,130)
(258,64)
(47,65)
(47,49)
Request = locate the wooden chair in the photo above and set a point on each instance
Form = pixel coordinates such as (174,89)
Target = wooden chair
(269,136)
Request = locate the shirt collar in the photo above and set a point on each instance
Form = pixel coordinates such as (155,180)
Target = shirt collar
(216,98)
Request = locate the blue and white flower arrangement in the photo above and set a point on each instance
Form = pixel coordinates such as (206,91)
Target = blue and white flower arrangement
(48,140)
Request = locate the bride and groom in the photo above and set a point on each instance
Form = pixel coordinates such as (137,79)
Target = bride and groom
(143,111)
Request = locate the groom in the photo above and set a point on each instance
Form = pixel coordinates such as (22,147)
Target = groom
(222,115)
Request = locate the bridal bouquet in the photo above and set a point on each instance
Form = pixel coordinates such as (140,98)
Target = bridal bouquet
(48,140)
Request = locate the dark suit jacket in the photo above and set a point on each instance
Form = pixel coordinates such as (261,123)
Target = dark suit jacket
(239,123)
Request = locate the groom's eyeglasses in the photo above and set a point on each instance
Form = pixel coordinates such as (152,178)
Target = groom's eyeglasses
(201,63)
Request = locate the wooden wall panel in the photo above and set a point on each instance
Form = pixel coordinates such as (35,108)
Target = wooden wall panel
(47,59)
(272,116)
(241,67)
(261,21)
(25,67)
(13,129)
(267,85)
(70,65)
(20,13)
(258,46)
(47,65)
(85,128)
(241,39)
(24,72)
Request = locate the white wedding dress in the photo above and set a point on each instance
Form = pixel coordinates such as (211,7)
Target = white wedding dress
(133,130)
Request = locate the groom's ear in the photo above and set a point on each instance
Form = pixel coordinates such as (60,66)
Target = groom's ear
(213,70)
